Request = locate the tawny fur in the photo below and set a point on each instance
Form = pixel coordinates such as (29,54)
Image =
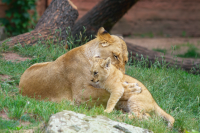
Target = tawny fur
(139,104)
(109,78)
(68,76)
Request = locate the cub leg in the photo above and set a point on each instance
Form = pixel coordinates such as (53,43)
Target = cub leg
(135,110)
(137,114)
(114,98)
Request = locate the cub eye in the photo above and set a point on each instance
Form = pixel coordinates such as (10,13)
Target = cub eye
(95,73)
(116,57)
(125,62)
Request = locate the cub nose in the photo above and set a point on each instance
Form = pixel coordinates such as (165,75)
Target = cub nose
(92,80)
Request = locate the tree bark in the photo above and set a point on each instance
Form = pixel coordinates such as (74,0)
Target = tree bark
(105,14)
(58,16)
(188,64)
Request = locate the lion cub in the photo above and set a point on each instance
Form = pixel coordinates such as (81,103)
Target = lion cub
(140,103)
(110,78)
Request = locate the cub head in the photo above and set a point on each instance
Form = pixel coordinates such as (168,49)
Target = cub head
(114,47)
(100,69)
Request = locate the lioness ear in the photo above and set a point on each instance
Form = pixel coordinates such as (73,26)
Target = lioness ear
(106,63)
(121,37)
(104,37)
(66,46)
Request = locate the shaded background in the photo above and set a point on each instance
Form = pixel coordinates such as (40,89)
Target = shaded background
(167,26)
(171,18)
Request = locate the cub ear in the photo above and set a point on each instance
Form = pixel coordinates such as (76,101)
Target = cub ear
(106,63)
(104,37)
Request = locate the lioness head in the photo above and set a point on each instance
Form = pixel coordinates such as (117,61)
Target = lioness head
(100,69)
(114,47)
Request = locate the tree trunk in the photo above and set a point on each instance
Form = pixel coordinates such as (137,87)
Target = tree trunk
(58,16)
(105,14)
(188,64)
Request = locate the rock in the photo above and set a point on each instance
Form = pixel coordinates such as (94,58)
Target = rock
(71,122)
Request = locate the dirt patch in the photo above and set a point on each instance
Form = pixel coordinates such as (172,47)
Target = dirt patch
(13,57)
(24,123)
(4,77)
(26,131)
(4,115)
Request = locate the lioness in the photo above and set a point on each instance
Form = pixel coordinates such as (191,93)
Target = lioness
(108,76)
(68,76)
(111,79)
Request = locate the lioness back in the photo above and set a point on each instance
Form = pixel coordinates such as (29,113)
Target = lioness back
(43,81)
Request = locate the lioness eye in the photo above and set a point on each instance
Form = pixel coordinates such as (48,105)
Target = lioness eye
(95,73)
(116,57)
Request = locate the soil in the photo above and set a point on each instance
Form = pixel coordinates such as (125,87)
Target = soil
(13,57)
(4,77)
(4,116)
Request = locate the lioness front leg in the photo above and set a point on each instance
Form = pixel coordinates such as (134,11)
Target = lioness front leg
(90,95)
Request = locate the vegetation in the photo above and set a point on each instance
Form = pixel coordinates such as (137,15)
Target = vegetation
(160,50)
(176,91)
(20,17)
(192,52)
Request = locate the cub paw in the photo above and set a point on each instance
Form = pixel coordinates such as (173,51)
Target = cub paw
(107,111)
(135,88)
(138,89)
(132,85)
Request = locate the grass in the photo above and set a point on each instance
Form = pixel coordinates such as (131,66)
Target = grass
(176,91)
(160,50)
(192,52)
